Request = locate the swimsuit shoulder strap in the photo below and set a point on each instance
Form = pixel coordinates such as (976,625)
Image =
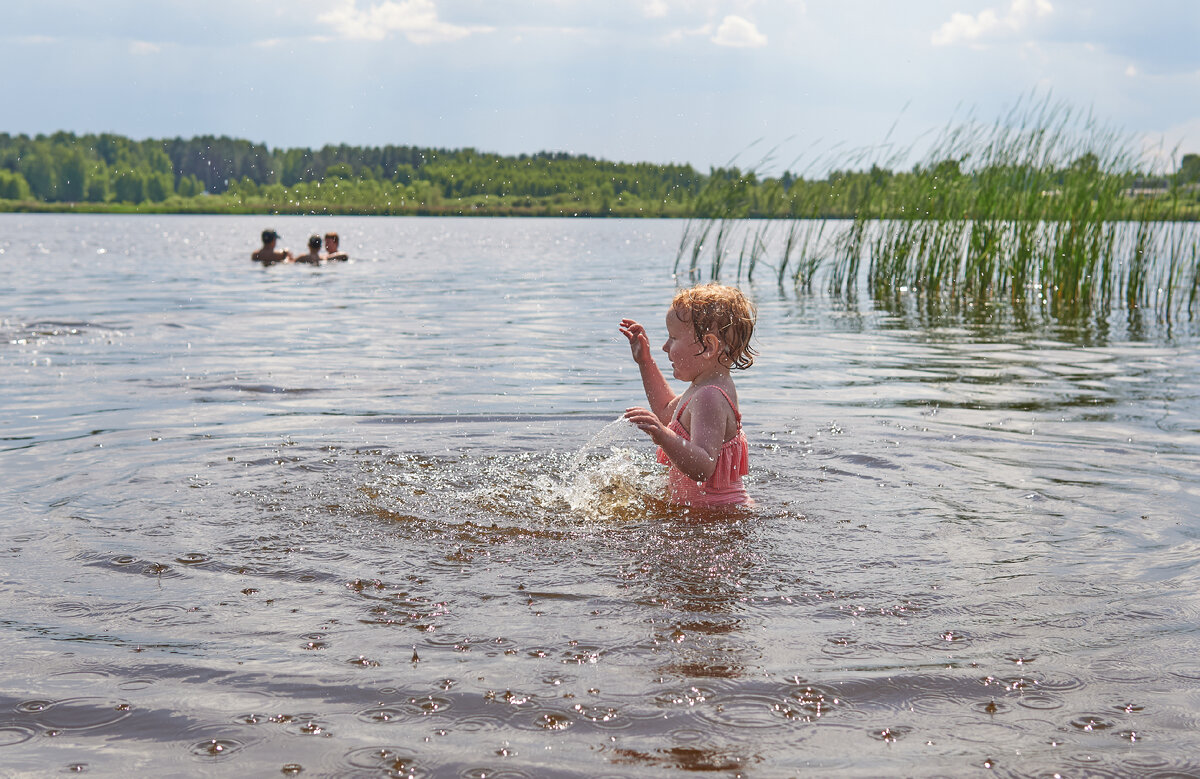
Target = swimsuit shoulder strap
(737,415)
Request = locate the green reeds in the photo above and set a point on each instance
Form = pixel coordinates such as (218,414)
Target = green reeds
(1036,207)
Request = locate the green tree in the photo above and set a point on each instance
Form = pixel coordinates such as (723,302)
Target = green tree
(98,189)
(159,186)
(129,185)
(72,177)
(1189,169)
(111,148)
(404,174)
(189,186)
(38,170)
(13,186)
(1087,163)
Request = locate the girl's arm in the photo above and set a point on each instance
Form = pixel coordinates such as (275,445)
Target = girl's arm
(658,392)
(697,458)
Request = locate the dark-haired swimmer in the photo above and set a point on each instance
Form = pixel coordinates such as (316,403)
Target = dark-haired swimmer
(314,252)
(268,254)
(331,249)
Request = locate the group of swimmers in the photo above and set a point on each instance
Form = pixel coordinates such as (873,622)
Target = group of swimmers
(270,254)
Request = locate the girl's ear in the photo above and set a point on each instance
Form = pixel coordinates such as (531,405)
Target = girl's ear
(711,344)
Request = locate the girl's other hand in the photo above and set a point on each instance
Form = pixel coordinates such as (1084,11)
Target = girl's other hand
(648,422)
(639,343)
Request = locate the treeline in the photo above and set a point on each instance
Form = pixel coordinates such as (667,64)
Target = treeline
(222,175)
(206,174)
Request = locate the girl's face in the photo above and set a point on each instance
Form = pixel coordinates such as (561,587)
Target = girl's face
(685,353)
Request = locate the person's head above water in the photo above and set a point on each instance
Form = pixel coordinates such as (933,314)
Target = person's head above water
(331,242)
(723,312)
(314,243)
(269,236)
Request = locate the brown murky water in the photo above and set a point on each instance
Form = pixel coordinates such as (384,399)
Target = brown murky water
(373,519)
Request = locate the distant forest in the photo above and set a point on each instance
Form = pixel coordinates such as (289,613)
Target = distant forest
(111,173)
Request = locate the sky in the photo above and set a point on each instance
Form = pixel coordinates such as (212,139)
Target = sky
(783,84)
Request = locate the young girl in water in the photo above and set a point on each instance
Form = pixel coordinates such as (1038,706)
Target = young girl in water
(699,433)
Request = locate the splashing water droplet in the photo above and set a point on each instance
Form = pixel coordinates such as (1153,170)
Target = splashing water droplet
(611,432)
(613,485)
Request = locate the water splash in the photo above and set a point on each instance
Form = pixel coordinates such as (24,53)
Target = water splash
(611,432)
(623,482)
(613,475)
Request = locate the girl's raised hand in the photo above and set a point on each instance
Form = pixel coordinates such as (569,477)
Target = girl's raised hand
(639,343)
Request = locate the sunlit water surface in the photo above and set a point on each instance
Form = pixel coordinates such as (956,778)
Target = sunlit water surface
(373,519)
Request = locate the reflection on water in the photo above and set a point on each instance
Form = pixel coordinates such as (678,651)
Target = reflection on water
(378,519)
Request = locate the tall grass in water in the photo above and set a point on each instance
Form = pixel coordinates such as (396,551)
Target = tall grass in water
(724,195)
(1035,207)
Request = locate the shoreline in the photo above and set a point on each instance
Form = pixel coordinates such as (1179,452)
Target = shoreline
(522,212)
(126,209)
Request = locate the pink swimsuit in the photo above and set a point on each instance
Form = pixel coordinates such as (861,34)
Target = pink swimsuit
(724,487)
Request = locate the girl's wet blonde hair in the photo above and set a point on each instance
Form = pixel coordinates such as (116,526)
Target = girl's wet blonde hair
(726,313)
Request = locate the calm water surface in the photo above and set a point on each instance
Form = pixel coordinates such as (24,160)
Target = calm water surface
(372,519)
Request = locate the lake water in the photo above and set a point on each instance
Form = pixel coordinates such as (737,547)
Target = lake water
(372,519)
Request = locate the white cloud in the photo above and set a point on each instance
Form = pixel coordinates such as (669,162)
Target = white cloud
(144,47)
(675,36)
(1131,71)
(965,28)
(654,9)
(738,32)
(417,20)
